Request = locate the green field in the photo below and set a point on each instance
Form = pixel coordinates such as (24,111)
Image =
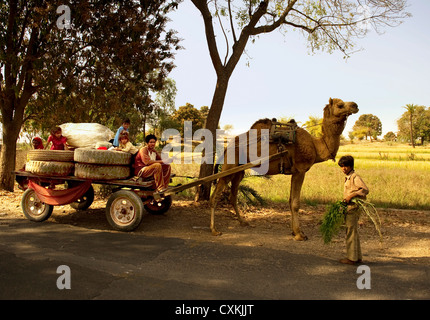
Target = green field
(398,176)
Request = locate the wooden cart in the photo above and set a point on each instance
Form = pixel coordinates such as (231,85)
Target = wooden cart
(125,207)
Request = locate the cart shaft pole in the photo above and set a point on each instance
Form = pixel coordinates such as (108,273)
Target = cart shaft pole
(219,175)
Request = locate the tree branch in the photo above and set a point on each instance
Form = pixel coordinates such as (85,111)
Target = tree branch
(240,44)
(231,21)
(223,31)
(276,23)
(202,6)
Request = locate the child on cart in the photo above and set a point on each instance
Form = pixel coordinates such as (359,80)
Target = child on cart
(123,128)
(126,146)
(57,140)
(37,143)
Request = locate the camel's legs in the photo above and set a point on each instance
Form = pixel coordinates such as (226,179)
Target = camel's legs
(222,183)
(296,187)
(235,182)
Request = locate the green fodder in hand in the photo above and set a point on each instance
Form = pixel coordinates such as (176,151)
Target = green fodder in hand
(332,220)
(371,212)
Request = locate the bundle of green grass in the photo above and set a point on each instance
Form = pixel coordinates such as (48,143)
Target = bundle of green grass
(334,217)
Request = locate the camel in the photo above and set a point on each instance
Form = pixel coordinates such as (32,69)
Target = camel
(302,155)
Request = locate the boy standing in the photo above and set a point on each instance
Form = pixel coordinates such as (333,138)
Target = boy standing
(354,188)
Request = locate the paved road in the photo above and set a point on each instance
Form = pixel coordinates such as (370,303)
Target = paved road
(113,265)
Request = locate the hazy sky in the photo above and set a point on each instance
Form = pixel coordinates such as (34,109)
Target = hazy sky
(284,80)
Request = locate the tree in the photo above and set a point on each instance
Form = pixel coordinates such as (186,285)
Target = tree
(330,25)
(189,113)
(314,126)
(165,98)
(162,117)
(142,115)
(360,133)
(91,67)
(351,136)
(423,130)
(204,110)
(228,128)
(411,108)
(369,125)
(414,124)
(390,136)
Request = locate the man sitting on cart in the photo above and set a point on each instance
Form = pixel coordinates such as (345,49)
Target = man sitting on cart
(148,163)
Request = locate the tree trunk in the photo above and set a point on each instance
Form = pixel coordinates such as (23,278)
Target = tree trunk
(12,109)
(7,159)
(212,121)
(223,71)
(412,134)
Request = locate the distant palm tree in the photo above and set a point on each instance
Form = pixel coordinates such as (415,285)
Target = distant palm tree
(411,108)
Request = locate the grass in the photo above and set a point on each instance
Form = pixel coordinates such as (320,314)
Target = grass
(332,220)
(394,182)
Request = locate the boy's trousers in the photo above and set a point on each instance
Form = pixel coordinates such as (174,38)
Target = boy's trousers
(353,248)
(161,173)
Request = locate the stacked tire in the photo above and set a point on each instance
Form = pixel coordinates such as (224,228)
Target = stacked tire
(50,162)
(101,164)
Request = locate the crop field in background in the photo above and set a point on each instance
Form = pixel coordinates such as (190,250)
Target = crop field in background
(398,176)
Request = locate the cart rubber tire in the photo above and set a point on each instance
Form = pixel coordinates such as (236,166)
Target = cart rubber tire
(106,157)
(51,155)
(101,172)
(124,210)
(51,168)
(85,201)
(33,208)
(159,207)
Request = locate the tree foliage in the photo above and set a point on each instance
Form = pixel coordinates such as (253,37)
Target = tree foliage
(314,126)
(115,56)
(414,124)
(368,125)
(411,110)
(100,68)
(164,108)
(390,136)
(190,113)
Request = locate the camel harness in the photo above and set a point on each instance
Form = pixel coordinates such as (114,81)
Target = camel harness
(283,134)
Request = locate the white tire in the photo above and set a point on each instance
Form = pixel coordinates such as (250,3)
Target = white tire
(50,168)
(101,172)
(107,157)
(51,155)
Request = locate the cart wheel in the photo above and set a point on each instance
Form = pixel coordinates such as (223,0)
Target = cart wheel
(124,210)
(33,208)
(85,201)
(159,207)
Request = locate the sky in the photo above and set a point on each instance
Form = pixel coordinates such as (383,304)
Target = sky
(284,80)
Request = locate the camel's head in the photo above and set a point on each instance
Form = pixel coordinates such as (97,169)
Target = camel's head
(340,110)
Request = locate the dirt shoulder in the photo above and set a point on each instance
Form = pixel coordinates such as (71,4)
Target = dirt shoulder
(405,232)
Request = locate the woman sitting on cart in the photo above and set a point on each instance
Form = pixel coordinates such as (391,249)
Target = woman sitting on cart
(148,163)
